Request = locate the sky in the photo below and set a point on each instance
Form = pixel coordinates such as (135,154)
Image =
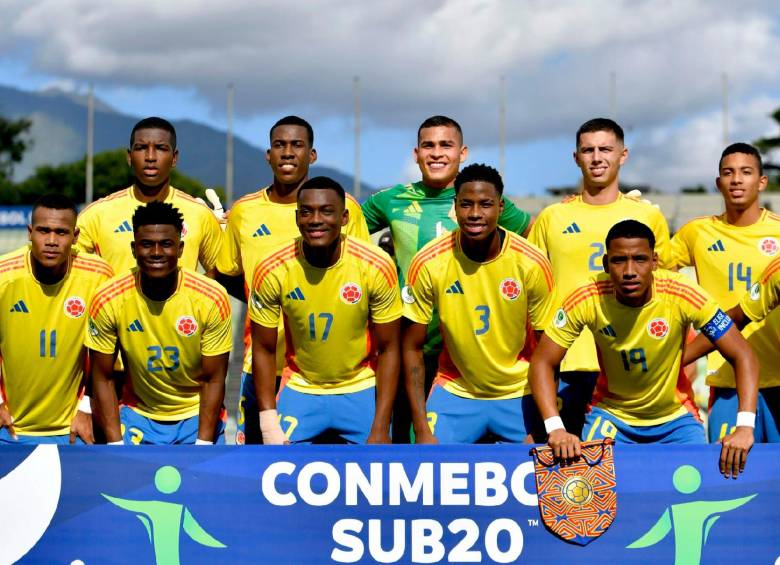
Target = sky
(420,58)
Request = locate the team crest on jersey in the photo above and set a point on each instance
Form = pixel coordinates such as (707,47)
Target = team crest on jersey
(351,293)
(74,307)
(560,318)
(510,288)
(768,246)
(407,295)
(186,326)
(755,292)
(658,328)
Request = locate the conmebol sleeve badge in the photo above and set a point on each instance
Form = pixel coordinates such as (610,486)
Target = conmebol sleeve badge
(578,502)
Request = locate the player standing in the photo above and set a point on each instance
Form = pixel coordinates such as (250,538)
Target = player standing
(729,251)
(340,302)
(491,289)
(173,328)
(106,226)
(419,212)
(44,292)
(571,233)
(639,317)
(260,222)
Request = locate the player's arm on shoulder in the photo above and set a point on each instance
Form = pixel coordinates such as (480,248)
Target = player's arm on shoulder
(105,403)
(388,348)
(212,394)
(413,340)
(514,219)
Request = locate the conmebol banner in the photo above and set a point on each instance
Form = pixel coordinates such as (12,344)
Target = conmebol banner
(385,504)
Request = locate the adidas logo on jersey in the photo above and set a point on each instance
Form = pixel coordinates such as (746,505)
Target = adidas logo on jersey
(573,228)
(608,331)
(295,294)
(261,231)
(20,307)
(717,246)
(455,288)
(414,210)
(135,326)
(124,227)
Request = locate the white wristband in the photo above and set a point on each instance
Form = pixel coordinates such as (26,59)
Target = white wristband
(270,429)
(203,442)
(554,423)
(747,419)
(119,442)
(85,405)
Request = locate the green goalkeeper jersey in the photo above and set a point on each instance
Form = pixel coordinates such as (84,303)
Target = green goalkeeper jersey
(417,214)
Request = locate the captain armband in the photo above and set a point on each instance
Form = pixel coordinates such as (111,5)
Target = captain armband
(717,326)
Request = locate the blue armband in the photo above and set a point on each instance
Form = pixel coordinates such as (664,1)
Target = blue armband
(717,326)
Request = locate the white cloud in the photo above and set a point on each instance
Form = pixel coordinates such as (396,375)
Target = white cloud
(415,58)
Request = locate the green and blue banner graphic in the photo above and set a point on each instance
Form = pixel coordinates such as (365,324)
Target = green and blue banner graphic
(368,504)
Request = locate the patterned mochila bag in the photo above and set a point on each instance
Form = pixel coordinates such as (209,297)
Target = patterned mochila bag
(577,502)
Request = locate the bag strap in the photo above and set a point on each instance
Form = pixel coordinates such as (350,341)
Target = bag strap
(540,453)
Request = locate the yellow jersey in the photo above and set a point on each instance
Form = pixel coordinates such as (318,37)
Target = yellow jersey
(327,313)
(106,229)
(255,227)
(760,305)
(572,234)
(42,340)
(487,311)
(728,260)
(162,342)
(640,349)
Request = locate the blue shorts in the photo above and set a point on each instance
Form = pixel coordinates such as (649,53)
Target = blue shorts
(247,429)
(600,424)
(575,392)
(455,419)
(6,439)
(724,405)
(306,417)
(140,430)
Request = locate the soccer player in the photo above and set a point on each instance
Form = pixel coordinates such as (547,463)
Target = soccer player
(173,328)
(44,292)
(639,317)
(729,251)
(260,222)
(419,212)
(571,233)
(758,307)
(340,302)
(491,289)
(106,224)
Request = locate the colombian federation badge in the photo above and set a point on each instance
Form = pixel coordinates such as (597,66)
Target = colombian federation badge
(577,502)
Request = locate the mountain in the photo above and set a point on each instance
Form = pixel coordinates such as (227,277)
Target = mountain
(59,136)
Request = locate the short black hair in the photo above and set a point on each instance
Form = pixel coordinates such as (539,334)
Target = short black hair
(157,213)
(479,172)
(745,148)
(153,122)
(600,124)
(55,201)
(439,121)
(293,121)
(630,229)
(323,183)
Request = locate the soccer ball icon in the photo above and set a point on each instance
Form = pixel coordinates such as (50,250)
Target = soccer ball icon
(510,289)
(351,293)
(768,246)
(577,491)
(186,326)
(74,307)
(658,328)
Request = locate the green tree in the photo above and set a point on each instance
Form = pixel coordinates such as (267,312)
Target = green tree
(111,173)
(767,145)
(12,144)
